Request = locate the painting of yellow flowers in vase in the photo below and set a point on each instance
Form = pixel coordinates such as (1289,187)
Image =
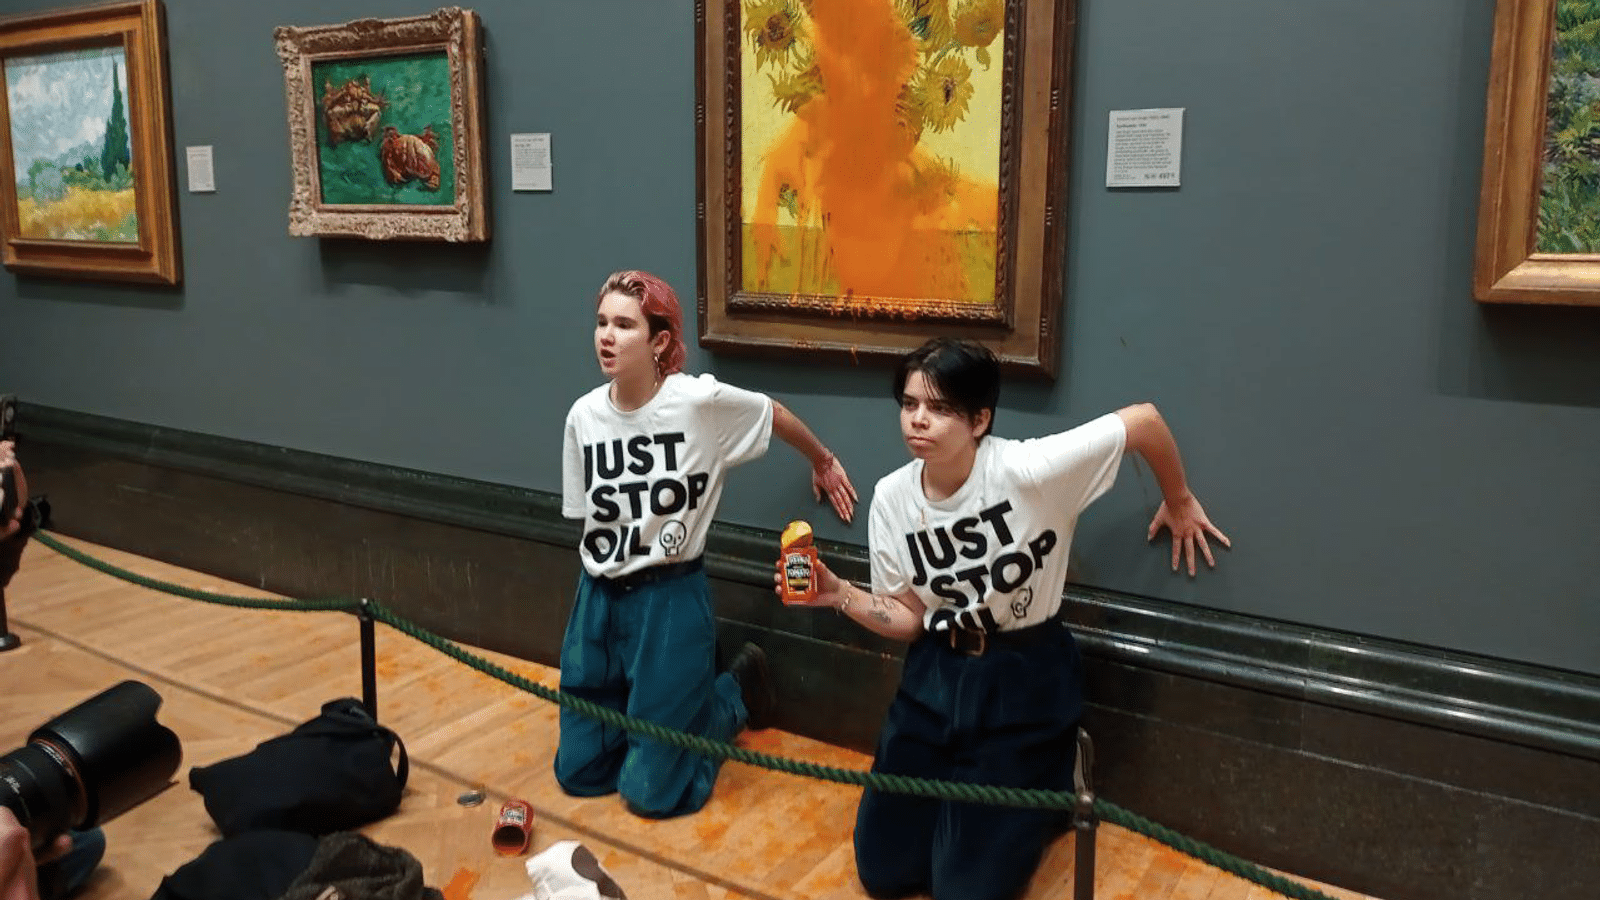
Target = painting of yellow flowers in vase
(870,150)
(874,172)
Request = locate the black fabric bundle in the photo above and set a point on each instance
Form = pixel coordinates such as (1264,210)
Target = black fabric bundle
(333,773)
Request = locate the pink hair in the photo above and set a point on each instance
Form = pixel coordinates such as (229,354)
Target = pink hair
(660,306)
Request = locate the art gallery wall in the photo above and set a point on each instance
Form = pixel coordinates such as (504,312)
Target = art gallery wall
(1390,457)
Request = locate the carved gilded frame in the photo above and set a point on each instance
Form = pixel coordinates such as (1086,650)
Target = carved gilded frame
(455,32)
(1030,235)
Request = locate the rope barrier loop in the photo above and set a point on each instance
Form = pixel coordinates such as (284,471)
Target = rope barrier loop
(1023,798)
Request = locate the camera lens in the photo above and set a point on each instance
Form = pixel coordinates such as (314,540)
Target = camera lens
(90,764)
(40,786)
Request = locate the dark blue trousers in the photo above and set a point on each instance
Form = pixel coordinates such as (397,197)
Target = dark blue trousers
(1007,718)
(65,875)
(649,651)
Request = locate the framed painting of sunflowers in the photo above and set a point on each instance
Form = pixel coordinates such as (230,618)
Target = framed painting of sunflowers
(386,128)
(875,172)
(1539,210)
(87,187)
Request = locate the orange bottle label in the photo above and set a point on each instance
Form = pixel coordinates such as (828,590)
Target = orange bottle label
(799,575)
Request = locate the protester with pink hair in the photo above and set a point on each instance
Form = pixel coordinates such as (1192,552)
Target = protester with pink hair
(643,465)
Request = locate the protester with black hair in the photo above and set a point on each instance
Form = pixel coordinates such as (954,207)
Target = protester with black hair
(969,545)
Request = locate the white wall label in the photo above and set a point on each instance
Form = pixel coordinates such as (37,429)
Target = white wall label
(201,177)
(1144,148)
(530,162)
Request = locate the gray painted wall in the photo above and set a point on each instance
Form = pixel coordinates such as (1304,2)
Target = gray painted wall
(1390,457)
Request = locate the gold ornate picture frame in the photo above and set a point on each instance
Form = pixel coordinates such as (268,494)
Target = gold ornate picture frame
(386,128)
(1541,177)
(78,201)
(875,172)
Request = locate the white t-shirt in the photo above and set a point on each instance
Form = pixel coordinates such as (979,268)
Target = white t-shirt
(999,544)
(646,483)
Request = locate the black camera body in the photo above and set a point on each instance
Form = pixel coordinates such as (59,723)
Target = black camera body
(8,478)
(35,515)
(90,764)
(8,493)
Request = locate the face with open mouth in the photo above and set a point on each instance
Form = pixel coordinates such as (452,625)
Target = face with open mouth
(622,341)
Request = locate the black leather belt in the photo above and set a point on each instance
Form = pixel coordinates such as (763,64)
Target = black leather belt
(975,642)
(652,574)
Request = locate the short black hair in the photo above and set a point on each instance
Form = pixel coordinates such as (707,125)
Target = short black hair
(965,373)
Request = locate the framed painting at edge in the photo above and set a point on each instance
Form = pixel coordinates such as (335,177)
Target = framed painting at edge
(1029,239)
(1509,268)
(400,158)
(145,169)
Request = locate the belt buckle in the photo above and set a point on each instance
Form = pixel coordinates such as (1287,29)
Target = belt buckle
(962,645)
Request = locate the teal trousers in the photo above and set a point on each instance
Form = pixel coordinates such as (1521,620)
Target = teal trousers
(647,649)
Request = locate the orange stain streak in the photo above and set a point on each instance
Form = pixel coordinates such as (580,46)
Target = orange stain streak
(460,885)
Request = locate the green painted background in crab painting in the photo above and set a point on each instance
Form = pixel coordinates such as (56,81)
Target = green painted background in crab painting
(415,92)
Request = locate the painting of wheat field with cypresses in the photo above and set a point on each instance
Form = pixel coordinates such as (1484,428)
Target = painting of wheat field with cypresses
(70,146)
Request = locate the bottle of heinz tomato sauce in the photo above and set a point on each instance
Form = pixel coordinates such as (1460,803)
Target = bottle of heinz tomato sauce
(799,563)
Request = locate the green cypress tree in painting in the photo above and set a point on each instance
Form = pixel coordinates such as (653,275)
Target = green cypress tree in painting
(115,152)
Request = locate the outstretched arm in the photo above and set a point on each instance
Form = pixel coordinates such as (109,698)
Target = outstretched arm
(898,617)
(1180,512)
(828,478)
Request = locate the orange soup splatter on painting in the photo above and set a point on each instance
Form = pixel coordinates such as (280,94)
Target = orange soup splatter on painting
(870,132)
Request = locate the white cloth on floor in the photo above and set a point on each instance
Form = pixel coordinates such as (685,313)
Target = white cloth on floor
(567,870)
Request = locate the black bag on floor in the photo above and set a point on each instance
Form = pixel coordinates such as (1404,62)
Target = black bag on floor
(333,773)
(260,865)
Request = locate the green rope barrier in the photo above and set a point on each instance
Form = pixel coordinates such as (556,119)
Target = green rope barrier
(971,793)
(155,584)
(993,795)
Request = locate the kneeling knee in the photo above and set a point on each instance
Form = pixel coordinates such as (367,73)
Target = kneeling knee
(879,889)
(889,881)
(975,886)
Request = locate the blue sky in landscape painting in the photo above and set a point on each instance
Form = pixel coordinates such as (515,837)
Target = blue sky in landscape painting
(61,100)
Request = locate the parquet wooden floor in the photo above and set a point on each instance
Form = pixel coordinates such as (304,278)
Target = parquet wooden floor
(231,678)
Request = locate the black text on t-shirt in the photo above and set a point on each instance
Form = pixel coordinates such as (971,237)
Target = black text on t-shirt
(658,490)
(959,563)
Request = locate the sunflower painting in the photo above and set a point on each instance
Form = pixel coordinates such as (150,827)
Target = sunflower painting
(870,149)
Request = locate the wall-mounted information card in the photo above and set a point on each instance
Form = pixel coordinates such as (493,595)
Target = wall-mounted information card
(1144,148)
(530,162)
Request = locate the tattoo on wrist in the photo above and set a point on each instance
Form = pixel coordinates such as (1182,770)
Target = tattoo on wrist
(880,609)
